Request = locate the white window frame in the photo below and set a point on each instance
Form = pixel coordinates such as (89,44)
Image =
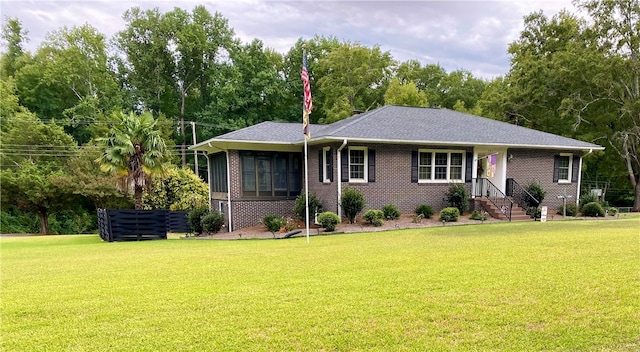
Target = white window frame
(570,167)
(448,179)
(325,164)
(366,165)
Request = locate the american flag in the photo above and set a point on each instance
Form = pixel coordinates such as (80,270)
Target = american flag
(308,105)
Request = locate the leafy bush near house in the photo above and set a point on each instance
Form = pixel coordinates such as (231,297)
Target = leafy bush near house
(212,221)
(571,209)
(613,211)
(328,220)
(592,209)
(534,212)
(391,212)
(588,197)
(194,217)
(374,217)
(425,210)
(300,206)
(450,214)
(458,197)
(352,202)
(535,190)
(273,222)
(476,215)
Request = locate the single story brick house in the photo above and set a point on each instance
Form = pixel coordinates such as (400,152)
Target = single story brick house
(398,155)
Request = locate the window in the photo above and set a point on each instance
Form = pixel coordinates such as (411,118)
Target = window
(218,175)
(439,165)
(327,162)
(357,164)
(564,169)
(270,174)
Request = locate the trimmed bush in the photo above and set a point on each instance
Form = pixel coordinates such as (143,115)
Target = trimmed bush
(592,209)
(535,189)
(476,215)
(300,206)
(450,214)
(588,197)
(212,222)
(534,212)
(352,202)
(391,212)
(612,211)
(194,217)
(458,197)
(374,217)
(328,220)
(273,222)
(572,209)
(425,210)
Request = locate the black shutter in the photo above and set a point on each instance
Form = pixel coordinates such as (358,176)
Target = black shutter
(320,166)
(345,165)
(556,167)
(576,171)
(414,166)
(468,175)
(330,156)
(372,166)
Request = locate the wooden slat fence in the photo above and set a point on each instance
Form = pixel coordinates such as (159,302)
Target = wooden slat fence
(140,225)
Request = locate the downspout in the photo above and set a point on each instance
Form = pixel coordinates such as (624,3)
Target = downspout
(339,158)
(229,191)
(580,177)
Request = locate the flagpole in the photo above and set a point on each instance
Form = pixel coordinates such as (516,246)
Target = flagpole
(305,118)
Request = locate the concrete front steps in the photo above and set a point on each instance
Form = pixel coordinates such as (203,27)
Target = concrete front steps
(517,213)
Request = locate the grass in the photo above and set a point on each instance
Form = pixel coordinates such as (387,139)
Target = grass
(564,286)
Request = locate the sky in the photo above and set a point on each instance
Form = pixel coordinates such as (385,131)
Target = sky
(472,35)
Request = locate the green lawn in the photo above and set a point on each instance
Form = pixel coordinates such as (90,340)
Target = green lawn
(563,285)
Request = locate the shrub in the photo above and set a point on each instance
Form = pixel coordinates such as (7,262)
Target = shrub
(352,202)
(613,211)
(374,217)
(300,206)
(476,215)
(535,190)
(212,222)
(588,197)
(450,214)
(592,209)
(534,212)
(458,197)
(273,222)
(328,220)
(391,212)
(425,210)
(571,209)
(194,217)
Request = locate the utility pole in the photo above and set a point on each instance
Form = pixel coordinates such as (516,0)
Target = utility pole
(195,152)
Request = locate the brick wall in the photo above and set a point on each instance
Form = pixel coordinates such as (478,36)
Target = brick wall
(393,180)
(537,165)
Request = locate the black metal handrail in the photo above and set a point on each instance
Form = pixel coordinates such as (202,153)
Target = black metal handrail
(521,196)
(482,187)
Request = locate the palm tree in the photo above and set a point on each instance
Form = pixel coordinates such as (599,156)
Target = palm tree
(134,150)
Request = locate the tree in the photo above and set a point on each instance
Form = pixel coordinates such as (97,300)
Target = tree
(33,155)
(13,38)
(405,94)
(134,150)
(69,76)
(355,73)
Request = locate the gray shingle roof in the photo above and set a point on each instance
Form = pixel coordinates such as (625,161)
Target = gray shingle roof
(399,124)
